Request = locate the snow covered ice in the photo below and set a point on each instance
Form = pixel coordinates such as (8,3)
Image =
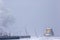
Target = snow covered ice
(41,38)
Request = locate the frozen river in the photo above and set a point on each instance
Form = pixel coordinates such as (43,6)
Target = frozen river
(37,38)
(43,38)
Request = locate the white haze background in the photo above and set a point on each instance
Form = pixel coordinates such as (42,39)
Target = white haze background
(34,15)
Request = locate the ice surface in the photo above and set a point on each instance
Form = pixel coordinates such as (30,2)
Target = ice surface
(42,38)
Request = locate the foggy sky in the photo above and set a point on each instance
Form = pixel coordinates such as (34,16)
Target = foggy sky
(34,15)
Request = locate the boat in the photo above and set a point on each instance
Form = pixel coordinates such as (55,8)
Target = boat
(8,36)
